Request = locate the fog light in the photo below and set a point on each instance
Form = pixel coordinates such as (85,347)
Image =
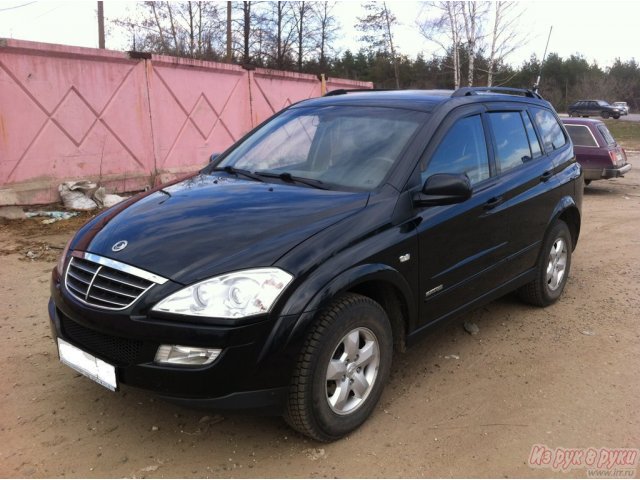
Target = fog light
(180,355)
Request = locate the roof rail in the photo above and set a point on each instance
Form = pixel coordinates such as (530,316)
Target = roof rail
(466,91)
(344,91)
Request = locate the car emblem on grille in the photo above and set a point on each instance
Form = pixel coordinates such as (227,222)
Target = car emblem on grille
(121,245)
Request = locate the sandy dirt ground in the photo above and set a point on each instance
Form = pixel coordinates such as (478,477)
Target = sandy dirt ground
(457,404)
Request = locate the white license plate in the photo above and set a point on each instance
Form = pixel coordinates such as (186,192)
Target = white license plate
(88,365)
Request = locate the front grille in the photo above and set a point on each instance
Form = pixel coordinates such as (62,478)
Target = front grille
(103,285)
(121,351)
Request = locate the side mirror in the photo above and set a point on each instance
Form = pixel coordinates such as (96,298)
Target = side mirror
(213,157)
(443,189)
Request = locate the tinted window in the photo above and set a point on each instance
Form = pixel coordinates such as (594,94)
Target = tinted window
(462,150)
(581,136)
(512,145)
(552,135)
(534,141)
(608,138)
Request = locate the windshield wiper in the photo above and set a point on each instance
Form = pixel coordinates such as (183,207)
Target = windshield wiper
(239,171)
(287,177)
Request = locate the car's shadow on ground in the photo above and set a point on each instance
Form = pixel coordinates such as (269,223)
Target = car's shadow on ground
(603,190)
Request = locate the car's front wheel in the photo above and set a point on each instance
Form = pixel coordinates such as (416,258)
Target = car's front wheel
(342,369)
(552,270)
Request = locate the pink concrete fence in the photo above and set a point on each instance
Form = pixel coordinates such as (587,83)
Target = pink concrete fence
(71,113)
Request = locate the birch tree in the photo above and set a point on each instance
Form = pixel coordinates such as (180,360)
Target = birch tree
(326,31)
(377,31)
(505,37)
(304,30)
(473,16)
(441,23)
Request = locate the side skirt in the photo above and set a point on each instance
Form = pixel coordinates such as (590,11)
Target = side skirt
(498,292)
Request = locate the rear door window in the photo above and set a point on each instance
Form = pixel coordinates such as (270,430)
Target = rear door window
(552,135)
(534,141)
(512,144)
(581,136)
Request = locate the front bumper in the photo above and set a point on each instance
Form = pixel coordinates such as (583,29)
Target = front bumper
(604,173)
(253,370)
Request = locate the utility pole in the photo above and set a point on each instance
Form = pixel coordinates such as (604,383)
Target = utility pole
(229,58)
(101,25)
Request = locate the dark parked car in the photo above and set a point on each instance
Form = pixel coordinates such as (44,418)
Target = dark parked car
(285,273)
(596,149)
(590,108)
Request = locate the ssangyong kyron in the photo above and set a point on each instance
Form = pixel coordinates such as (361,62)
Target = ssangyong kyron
(283,275)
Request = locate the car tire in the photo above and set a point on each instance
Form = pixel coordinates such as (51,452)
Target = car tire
(605,114)
(331,394)
(552,269)
(616,117)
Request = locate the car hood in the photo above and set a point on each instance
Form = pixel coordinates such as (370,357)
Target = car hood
(208,224)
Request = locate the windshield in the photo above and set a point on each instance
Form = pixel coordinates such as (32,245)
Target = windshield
(337,146)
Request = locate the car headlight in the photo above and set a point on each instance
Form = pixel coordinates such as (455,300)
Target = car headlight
(63,258)
(233,295)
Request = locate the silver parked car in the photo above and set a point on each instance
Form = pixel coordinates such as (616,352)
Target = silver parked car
(622,106)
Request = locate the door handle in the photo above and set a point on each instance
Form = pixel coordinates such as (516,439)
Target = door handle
(546,175)
(493,203)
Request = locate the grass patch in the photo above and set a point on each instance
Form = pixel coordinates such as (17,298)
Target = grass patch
(626,133)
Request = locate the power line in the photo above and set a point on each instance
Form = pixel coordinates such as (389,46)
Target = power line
(17,6)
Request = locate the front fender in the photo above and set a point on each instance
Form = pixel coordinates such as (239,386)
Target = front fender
(299,312)
(350,279)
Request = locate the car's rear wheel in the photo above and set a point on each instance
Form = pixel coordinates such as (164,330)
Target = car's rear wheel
(552,270)
(616,116)
(343,367)
(605,114)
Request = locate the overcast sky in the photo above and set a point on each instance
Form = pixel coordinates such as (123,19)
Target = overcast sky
(600,31)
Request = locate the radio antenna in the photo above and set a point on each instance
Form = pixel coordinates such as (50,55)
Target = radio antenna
(537,84)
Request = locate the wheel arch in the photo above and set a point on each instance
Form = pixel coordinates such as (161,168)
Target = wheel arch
(381,283)
(567,210)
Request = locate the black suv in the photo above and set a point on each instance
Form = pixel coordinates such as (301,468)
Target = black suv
(587,108)
(285,273)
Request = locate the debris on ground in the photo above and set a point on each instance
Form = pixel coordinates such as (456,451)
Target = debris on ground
(452,356)
(589,333)
(77,195)
(106,200)
(471,328)
(314,453)
(86,195)
(211,420)
(54,216)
